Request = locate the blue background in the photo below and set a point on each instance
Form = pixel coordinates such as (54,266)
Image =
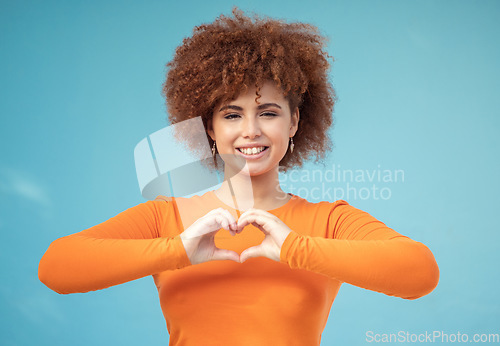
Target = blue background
(417,84)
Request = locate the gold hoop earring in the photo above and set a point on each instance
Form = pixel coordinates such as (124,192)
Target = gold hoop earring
(291,145)
(213,150)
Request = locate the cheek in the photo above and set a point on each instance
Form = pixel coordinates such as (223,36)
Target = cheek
(226,140)
(222,133)
(280,133)
(280,141)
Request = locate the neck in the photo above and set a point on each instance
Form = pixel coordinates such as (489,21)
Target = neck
(242,191)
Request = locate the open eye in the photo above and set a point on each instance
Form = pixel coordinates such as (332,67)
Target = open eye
(231,116)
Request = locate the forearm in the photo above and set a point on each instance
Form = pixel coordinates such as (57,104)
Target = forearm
(78,263)
(400,267)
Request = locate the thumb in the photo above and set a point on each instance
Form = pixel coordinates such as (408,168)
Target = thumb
(252,252)
(223,254)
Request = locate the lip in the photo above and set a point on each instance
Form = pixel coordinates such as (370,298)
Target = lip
(252,145)
(253,157)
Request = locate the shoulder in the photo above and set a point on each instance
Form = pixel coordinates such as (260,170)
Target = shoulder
(184,210)
(312,218)
(337,211)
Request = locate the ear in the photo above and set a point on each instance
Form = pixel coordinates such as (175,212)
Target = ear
(210,129)
(294,125)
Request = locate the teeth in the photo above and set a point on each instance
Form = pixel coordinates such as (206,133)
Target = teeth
(251,151)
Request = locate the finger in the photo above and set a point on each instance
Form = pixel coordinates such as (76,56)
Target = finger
(233,226)
(258,220)
(251,252)
(246,218)
(225,223)
(223,254)
(212,220)
(269,225)
(260,227)
(222,221)
(214,211)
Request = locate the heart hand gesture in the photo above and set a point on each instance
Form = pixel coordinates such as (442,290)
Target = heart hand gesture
(198,239)
(274,229)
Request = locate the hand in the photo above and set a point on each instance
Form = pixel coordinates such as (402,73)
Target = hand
(198,239)
(275,230)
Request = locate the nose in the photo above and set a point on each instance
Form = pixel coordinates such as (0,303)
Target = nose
(250,127)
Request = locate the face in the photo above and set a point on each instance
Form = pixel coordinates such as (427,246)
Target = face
(254,133)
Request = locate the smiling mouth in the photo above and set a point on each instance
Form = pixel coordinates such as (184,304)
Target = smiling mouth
(252,151)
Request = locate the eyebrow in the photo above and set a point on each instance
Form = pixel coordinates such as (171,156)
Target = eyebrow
(259,107)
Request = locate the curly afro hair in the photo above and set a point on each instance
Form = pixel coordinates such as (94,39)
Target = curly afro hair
(224,58)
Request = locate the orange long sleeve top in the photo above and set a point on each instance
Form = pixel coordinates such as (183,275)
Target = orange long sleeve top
(260,301)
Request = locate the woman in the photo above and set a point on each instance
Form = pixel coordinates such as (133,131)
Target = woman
(228,274)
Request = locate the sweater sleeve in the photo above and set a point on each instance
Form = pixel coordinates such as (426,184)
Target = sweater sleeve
(362,251)
(124,248)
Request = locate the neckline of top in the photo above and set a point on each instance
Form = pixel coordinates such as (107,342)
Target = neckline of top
(292,200)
